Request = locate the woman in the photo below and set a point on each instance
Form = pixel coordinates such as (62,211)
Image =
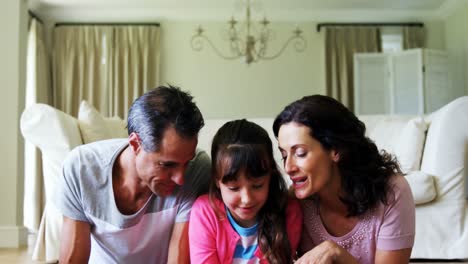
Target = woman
(357,206)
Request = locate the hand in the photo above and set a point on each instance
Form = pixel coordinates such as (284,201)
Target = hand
(327,252)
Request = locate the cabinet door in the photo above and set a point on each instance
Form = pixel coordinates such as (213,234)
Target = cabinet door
(437,89)
(407,93)
(371,84)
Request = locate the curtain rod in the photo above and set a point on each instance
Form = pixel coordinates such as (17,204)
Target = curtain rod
(107,24)
(35,16)
(409,24)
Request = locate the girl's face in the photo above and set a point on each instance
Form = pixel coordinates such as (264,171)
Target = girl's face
(245,197)
(312,168)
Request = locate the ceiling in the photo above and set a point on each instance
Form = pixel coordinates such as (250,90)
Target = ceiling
(284,10)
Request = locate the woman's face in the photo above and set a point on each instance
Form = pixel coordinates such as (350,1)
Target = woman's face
(311,168)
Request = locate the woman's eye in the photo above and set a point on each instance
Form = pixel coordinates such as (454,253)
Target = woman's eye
(234,189)
(301,153)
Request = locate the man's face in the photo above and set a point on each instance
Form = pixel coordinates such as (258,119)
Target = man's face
(162,170)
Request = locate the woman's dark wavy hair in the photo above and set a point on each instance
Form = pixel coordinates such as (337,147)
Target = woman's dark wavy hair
(241,145)
(365,172)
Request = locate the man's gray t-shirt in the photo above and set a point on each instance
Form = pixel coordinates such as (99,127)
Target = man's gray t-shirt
(85,193)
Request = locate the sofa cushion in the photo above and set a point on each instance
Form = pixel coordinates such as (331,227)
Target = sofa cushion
(402,136)
(410,145)
(116,127)
(95,127)
(92,124)
(422,186)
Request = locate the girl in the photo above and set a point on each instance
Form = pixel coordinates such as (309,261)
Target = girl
(247,216)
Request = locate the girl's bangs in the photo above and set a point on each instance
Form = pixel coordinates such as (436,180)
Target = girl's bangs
(251,158)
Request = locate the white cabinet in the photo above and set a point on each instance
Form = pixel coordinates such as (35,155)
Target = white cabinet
(407,82)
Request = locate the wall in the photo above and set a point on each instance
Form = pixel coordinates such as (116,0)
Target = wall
(233,89)
(435,34)
(13,24)
(456,39)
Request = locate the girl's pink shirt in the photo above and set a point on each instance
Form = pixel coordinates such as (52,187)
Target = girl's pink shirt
(213,240)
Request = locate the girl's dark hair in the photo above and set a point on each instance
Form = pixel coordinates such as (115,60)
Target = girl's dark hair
(365,172)
(241,145)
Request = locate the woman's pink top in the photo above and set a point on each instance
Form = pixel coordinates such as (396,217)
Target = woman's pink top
(387,227)
(213,240)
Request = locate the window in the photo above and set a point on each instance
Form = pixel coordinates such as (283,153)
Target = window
(392,39)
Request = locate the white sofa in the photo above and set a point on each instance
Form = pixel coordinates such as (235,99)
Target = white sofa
(56,133)
(434,150)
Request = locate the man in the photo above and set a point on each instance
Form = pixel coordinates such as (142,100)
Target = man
(129,200)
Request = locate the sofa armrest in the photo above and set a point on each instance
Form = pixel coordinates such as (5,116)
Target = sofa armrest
(55,133)
(446,149)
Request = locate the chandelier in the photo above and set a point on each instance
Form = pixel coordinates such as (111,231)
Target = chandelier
(249,40)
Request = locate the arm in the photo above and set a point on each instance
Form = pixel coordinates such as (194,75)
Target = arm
(75,240)
(202,234)
(179,244)
(396,236)
(75,237)
(401,256)
(327,252)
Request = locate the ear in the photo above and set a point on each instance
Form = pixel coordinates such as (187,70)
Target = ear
(134,142)
(335,155)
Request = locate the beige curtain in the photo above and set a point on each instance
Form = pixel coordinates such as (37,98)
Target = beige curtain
(340,45)
(109,66)
(134,66)
(38,90)
(413,37)
(80,66)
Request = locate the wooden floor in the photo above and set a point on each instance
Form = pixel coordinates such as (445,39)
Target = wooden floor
(23,256)
(18,255)
(15,256)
